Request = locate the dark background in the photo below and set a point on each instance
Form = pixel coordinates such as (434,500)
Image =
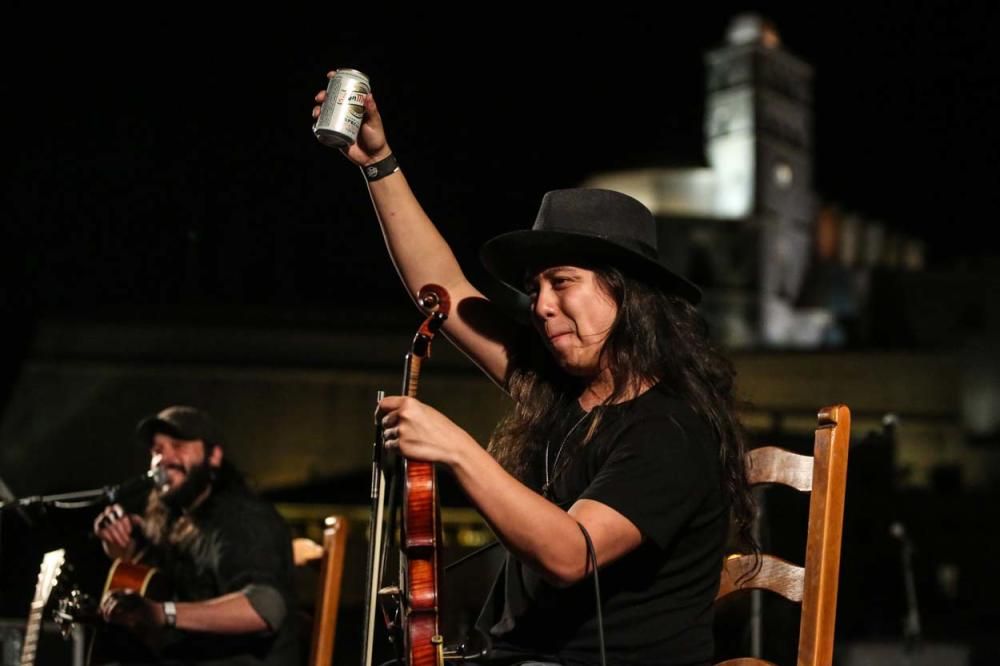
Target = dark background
(167,157)
(160,160)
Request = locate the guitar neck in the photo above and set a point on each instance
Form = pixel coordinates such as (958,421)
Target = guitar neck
(51,566)
(31,633)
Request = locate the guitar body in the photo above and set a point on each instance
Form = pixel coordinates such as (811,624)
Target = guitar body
(110,643)
(146,581)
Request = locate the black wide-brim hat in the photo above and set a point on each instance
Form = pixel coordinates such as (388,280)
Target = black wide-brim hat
(588,227)
(181,422)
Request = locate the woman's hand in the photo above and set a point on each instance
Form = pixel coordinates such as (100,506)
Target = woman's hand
(421,432)
(371,145)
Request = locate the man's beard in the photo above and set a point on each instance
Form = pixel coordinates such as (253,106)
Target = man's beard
(165,517)
(198,479)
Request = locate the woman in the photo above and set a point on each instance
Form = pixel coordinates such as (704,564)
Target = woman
(623,428)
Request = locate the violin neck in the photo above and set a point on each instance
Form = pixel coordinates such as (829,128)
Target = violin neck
(411,375)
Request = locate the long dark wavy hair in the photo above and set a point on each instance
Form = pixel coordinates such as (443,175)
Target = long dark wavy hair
(656,338)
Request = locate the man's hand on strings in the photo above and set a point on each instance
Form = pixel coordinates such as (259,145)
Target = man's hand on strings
(129,609)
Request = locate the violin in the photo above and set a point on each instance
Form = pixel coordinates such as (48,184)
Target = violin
(411,608)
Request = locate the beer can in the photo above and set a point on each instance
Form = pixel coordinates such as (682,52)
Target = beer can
(343,109)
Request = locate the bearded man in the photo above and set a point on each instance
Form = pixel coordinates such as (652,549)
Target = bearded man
(225,553)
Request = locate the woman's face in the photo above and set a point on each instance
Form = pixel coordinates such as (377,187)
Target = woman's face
(574,314)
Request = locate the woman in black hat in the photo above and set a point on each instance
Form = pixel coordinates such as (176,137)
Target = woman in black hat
(624,428)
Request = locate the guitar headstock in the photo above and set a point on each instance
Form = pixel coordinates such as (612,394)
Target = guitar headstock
(74,607)
(52,565)
(70,605)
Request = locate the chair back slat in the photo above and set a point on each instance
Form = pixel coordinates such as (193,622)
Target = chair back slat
(824,476)
(769,464)
(775,574)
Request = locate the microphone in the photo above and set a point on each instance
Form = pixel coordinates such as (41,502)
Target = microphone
(156,476)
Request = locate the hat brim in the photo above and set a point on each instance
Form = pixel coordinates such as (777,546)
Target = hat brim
(152,425)
(511,257)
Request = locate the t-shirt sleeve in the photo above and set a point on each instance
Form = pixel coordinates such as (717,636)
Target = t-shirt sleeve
(656,475)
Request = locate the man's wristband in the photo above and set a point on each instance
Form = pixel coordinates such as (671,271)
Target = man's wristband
(169,614)
(381,169)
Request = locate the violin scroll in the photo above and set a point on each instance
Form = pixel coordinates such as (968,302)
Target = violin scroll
(434,299)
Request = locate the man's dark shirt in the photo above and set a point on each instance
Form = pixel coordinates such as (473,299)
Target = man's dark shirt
(243,544)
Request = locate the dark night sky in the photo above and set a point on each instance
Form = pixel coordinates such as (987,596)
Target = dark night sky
(170,158)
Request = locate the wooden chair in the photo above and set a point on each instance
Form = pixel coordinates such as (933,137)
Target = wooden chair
(331,569)
(814,586)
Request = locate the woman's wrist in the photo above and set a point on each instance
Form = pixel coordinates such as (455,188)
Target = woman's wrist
(380,168)
(468,458)
(379,156)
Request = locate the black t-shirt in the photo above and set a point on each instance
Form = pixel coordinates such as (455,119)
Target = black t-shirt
(655,462)
(243,542)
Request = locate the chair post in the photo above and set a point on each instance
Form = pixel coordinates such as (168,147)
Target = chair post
(328,594)
(826,521)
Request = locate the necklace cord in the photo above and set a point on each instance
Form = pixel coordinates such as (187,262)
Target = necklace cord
(548,481)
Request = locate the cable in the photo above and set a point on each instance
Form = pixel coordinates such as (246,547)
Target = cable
(475,553)
(592,557)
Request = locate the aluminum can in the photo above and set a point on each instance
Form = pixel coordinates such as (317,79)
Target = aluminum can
(343,109)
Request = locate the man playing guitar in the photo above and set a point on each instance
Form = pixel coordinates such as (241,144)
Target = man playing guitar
(226,553)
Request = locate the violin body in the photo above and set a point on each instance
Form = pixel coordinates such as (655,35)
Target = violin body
(421,563)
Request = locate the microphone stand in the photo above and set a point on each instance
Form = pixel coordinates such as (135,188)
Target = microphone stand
(911,621)
(83,499)
(76,500)
(6,495)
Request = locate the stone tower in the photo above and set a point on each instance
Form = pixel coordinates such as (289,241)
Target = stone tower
(758,142)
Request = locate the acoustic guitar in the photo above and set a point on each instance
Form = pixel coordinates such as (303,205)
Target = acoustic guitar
(108,641)
(52,565)
(144,580)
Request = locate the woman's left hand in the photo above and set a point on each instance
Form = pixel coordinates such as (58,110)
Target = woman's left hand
(421,432)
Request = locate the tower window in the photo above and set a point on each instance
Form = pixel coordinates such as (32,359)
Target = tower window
(783,174)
